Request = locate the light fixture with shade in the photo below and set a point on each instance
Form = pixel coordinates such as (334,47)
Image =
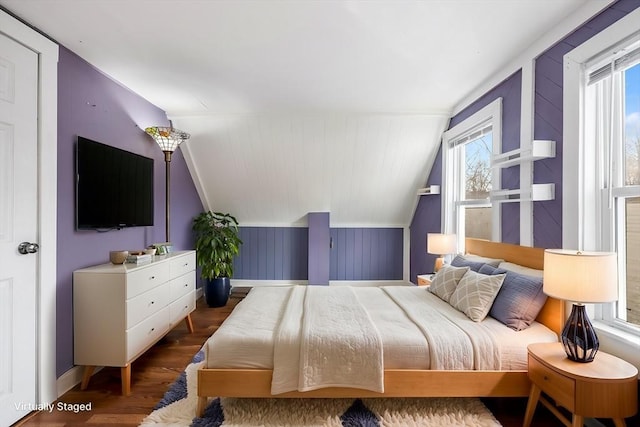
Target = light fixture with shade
(441,245)
(168,139)
(580,277)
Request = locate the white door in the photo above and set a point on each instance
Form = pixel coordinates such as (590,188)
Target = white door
(18,223)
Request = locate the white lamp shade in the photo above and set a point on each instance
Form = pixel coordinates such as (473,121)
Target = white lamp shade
(584,277)
(441,244)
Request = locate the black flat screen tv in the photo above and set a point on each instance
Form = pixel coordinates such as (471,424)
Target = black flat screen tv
(114,187)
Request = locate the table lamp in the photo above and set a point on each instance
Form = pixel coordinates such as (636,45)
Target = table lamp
(441,245)
(581,277)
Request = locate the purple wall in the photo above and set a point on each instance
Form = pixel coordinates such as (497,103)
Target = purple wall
(319,240)
(367,253)
(547,216)
(272,253)
(548,100)
(281,253)
(92,105)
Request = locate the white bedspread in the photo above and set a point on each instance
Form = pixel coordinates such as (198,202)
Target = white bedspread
(331,342)
(417,330)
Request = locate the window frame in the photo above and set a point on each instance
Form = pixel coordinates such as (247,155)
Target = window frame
(453,188)
(589,220)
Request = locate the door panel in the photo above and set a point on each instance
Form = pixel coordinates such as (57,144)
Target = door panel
(18,223)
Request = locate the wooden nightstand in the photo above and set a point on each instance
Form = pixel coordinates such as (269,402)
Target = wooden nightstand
(425,279)
(604,388)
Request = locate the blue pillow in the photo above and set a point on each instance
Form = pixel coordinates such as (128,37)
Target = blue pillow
(460,261)
(520,299)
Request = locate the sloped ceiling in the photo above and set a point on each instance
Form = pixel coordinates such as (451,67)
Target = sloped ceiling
(302,106)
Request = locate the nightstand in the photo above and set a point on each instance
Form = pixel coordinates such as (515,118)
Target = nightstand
(604,388)
(425,279)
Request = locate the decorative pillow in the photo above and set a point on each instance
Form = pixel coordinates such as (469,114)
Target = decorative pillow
(494,262)
(463,261)
(520,299)
(446,280)
(475,293)
(516,268)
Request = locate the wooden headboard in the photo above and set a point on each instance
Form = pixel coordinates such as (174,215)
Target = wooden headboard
(552,314)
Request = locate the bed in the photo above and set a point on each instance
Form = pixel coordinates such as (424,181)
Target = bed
(254,379)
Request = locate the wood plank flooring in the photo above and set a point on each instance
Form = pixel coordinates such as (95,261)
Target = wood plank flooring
(154,371)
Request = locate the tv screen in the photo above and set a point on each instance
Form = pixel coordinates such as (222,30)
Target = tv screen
(114,187)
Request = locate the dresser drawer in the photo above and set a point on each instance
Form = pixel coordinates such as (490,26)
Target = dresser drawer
(180,308)
(147,332)
(142,279)
(183,285)
(183,264)
(146,304)
(559,388)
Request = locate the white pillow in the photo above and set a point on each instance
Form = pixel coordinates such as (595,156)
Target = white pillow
(475,293)
(517,268)
(446,280)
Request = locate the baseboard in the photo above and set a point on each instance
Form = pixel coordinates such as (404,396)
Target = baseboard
(256,283)
(71,378)
(241,283)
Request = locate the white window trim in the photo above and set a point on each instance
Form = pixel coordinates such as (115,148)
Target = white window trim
(490,113)
(580,208)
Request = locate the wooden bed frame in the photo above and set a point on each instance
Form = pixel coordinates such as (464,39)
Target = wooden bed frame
(256,383)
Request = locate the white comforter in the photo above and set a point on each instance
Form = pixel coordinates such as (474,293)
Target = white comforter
(326,339)
(417,330)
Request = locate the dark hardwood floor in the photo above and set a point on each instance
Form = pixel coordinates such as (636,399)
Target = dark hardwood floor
(154,371)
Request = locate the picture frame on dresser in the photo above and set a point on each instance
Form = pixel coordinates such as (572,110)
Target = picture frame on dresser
(120,311)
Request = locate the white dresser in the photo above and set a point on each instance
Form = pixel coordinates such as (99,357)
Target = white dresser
(122,310)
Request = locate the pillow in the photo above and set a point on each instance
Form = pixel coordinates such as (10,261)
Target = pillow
(494,262)
(445,281)
(475,293)
(519,301)
(463,261)
(516,268)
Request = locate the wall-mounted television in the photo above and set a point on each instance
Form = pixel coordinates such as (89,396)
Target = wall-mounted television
(114,187)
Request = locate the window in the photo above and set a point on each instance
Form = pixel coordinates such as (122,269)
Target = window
(468,177)
(602,131)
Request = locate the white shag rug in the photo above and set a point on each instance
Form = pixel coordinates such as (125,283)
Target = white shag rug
(178,408)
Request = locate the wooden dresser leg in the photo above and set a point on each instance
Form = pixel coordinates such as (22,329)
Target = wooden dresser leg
(534,395)
(578,421)
(189,323)
(619,422)
(86,376)
(125,374)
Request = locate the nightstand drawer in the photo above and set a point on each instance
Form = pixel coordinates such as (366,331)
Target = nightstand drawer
(559,388)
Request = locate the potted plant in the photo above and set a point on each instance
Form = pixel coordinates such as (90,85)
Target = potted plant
(217,243)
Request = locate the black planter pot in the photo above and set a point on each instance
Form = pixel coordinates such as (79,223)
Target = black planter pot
(216,291)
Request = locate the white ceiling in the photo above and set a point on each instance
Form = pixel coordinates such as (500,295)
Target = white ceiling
(303,106)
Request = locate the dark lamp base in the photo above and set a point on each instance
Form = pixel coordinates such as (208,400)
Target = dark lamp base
(578,336)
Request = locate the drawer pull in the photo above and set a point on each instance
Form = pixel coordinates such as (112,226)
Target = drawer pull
(186,285)
(546,378)
(152,278)
(153,302)
(186,264)
(152,329)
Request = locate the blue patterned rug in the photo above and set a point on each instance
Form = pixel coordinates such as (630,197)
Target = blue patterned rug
(177,408)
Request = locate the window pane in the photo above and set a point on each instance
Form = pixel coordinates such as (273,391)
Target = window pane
(632,240)
(477,222)
(632,125)
(477,154)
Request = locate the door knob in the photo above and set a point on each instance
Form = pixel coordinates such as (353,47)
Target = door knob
(28,248)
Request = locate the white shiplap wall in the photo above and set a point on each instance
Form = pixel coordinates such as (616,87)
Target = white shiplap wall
(272,169)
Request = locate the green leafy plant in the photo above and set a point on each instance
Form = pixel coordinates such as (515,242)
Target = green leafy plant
(217,243)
